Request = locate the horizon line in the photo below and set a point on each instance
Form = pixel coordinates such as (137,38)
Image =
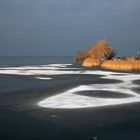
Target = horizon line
(39,56)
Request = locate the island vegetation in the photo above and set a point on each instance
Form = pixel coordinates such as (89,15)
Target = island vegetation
(101,55)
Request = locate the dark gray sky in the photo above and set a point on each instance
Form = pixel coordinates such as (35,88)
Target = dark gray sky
(65,27)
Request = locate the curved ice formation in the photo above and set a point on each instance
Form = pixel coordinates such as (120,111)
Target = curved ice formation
(70,100)
(40,71)
(47,70)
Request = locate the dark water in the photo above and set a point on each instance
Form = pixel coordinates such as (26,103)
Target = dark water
(10,82)
(19,61)
(21,118)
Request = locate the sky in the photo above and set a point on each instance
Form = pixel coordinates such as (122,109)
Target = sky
(67,27)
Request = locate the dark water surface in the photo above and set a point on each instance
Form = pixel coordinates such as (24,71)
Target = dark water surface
(21,118)
(20,61)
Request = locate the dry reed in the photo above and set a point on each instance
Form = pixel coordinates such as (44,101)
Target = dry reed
(121,65)
(98,51)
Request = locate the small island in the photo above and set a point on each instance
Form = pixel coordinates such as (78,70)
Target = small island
(101,55)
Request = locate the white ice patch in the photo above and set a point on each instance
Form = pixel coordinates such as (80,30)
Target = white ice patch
(41,67)
(70,100)
(50,69)
(59,65)
(43,78)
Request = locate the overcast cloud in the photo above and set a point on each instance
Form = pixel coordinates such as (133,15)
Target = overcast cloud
(65,27)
